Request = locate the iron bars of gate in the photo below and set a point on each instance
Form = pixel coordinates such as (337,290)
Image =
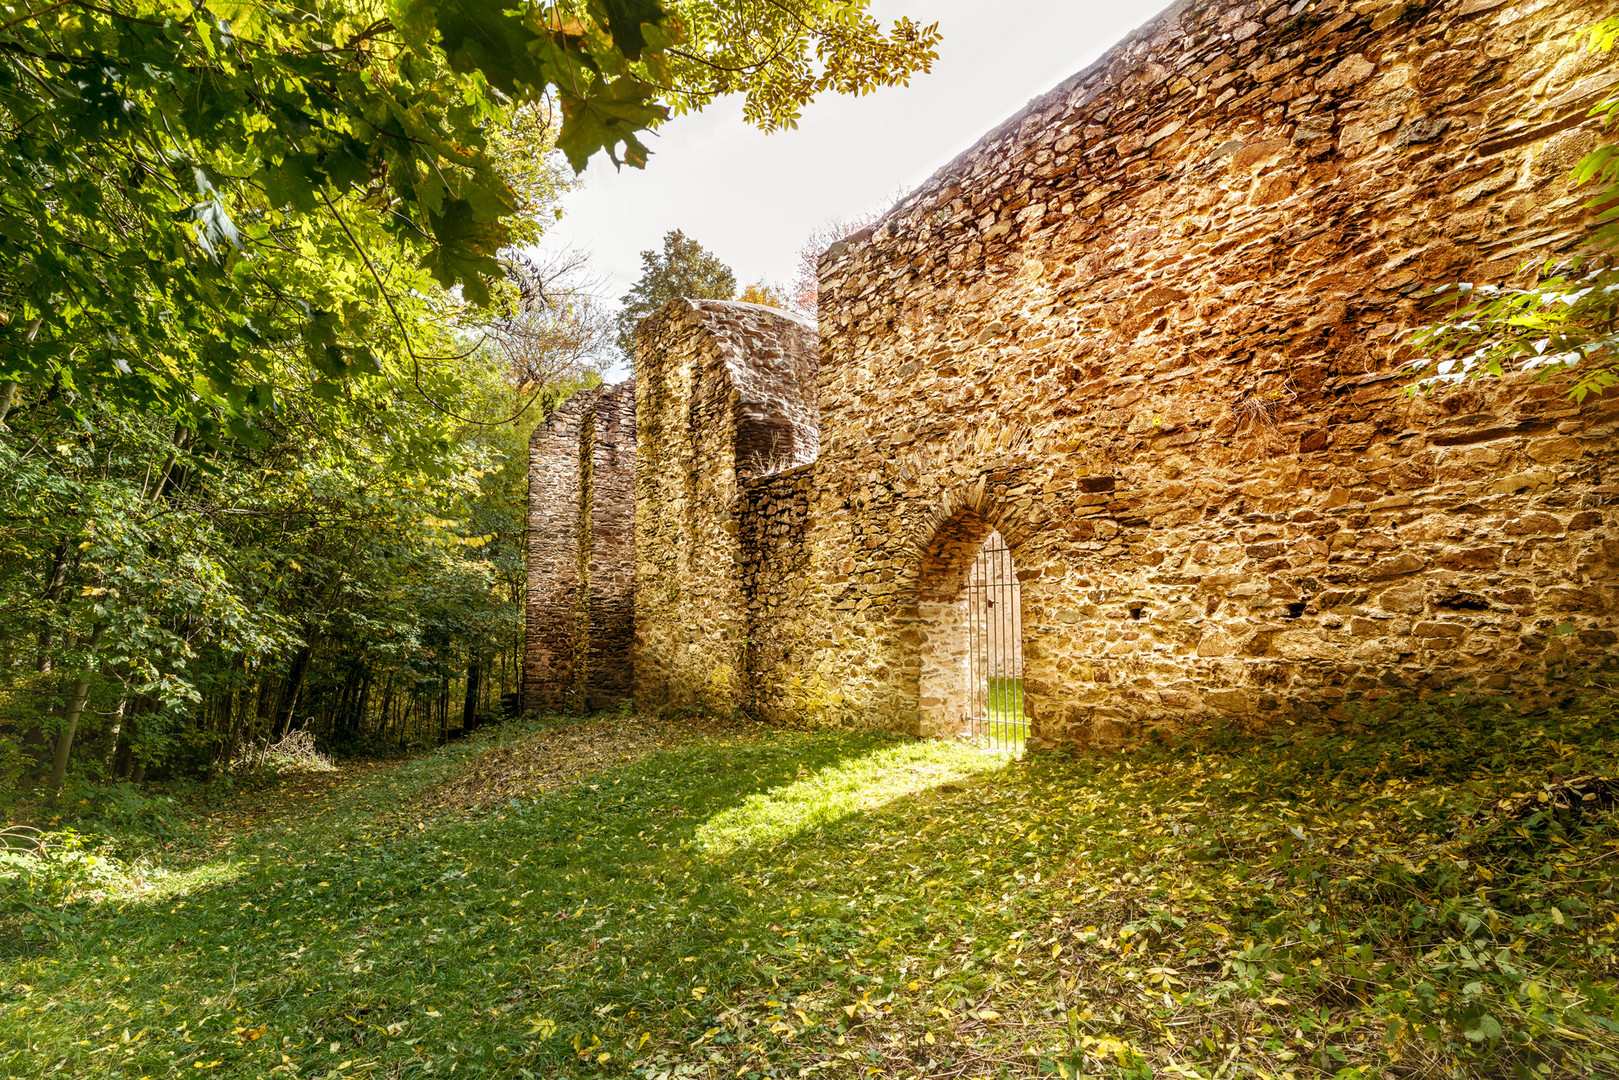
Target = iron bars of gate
(995,650)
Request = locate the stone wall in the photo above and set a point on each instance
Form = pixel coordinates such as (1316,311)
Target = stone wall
(1149,330)
(550,617)
(612,548)
(581,546)
(727,394)
(782,601)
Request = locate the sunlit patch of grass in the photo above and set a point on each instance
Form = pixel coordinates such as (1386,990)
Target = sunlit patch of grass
(66,870)
(814,800)
(1006,699)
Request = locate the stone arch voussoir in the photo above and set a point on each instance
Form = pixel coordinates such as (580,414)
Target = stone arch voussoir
(966,502)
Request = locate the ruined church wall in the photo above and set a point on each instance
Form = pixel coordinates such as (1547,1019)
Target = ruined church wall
(786,625)
(581,544)
(1149,330)
(550,624)
(726,396)
(611,502)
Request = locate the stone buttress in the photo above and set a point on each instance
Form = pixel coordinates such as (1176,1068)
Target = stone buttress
(726,406)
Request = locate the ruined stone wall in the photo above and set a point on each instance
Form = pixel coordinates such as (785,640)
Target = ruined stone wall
(550,615)
(726,393)
(612,549)
(1148,330)
(581,546)
(782,604)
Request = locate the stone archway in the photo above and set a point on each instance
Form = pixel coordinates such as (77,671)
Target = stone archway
(969,631)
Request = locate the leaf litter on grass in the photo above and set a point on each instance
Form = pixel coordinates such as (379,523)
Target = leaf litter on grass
(301,794)
(565,754)
(761,904)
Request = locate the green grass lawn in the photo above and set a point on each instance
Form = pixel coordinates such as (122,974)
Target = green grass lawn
(766,903)
(1007,724)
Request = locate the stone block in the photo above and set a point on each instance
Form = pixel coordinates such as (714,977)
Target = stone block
(1228,700)
(1218,643)
(1520,482)
(1397,566)
(1351,71)
(1303,645)
(1409,597)
(1533,525)
(1480,558)
(1549,451)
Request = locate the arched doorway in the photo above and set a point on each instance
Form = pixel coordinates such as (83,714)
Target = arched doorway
(970,609)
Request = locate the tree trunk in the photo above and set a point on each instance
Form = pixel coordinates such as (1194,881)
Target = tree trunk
(70,721)
(355,721)
(469,707)
(124,762)
(289,690)
(8,397)
(517,674)
(115,736)
(265,689)
(444,710)
(55,591)
(385,713)
(244,709)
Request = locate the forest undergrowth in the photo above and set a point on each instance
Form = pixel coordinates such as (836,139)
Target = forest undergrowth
(1427,894)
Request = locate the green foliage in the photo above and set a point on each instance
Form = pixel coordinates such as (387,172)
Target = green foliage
(781,55)
(1394,900)
(684,269)
(1561,323)
(205,200)
(48,870)
(268,359)
(339,572)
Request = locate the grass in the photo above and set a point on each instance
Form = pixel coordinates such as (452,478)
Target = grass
(1007,723)
(1429,895)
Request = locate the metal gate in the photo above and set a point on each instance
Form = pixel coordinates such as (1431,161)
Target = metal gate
(995,649)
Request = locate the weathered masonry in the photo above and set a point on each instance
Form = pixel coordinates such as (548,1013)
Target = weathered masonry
(1149,331)
(581,536)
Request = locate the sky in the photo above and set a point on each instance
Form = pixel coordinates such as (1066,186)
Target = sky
(752,198)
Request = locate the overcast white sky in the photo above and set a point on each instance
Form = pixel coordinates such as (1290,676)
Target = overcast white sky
(752,198)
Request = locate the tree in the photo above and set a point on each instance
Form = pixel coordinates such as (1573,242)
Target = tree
(766,293)
(199,200)
(781,53)
(554,327)
(683,269)
(204,200)
(806,287)
(1565,319)
(170,600)
(268,363)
